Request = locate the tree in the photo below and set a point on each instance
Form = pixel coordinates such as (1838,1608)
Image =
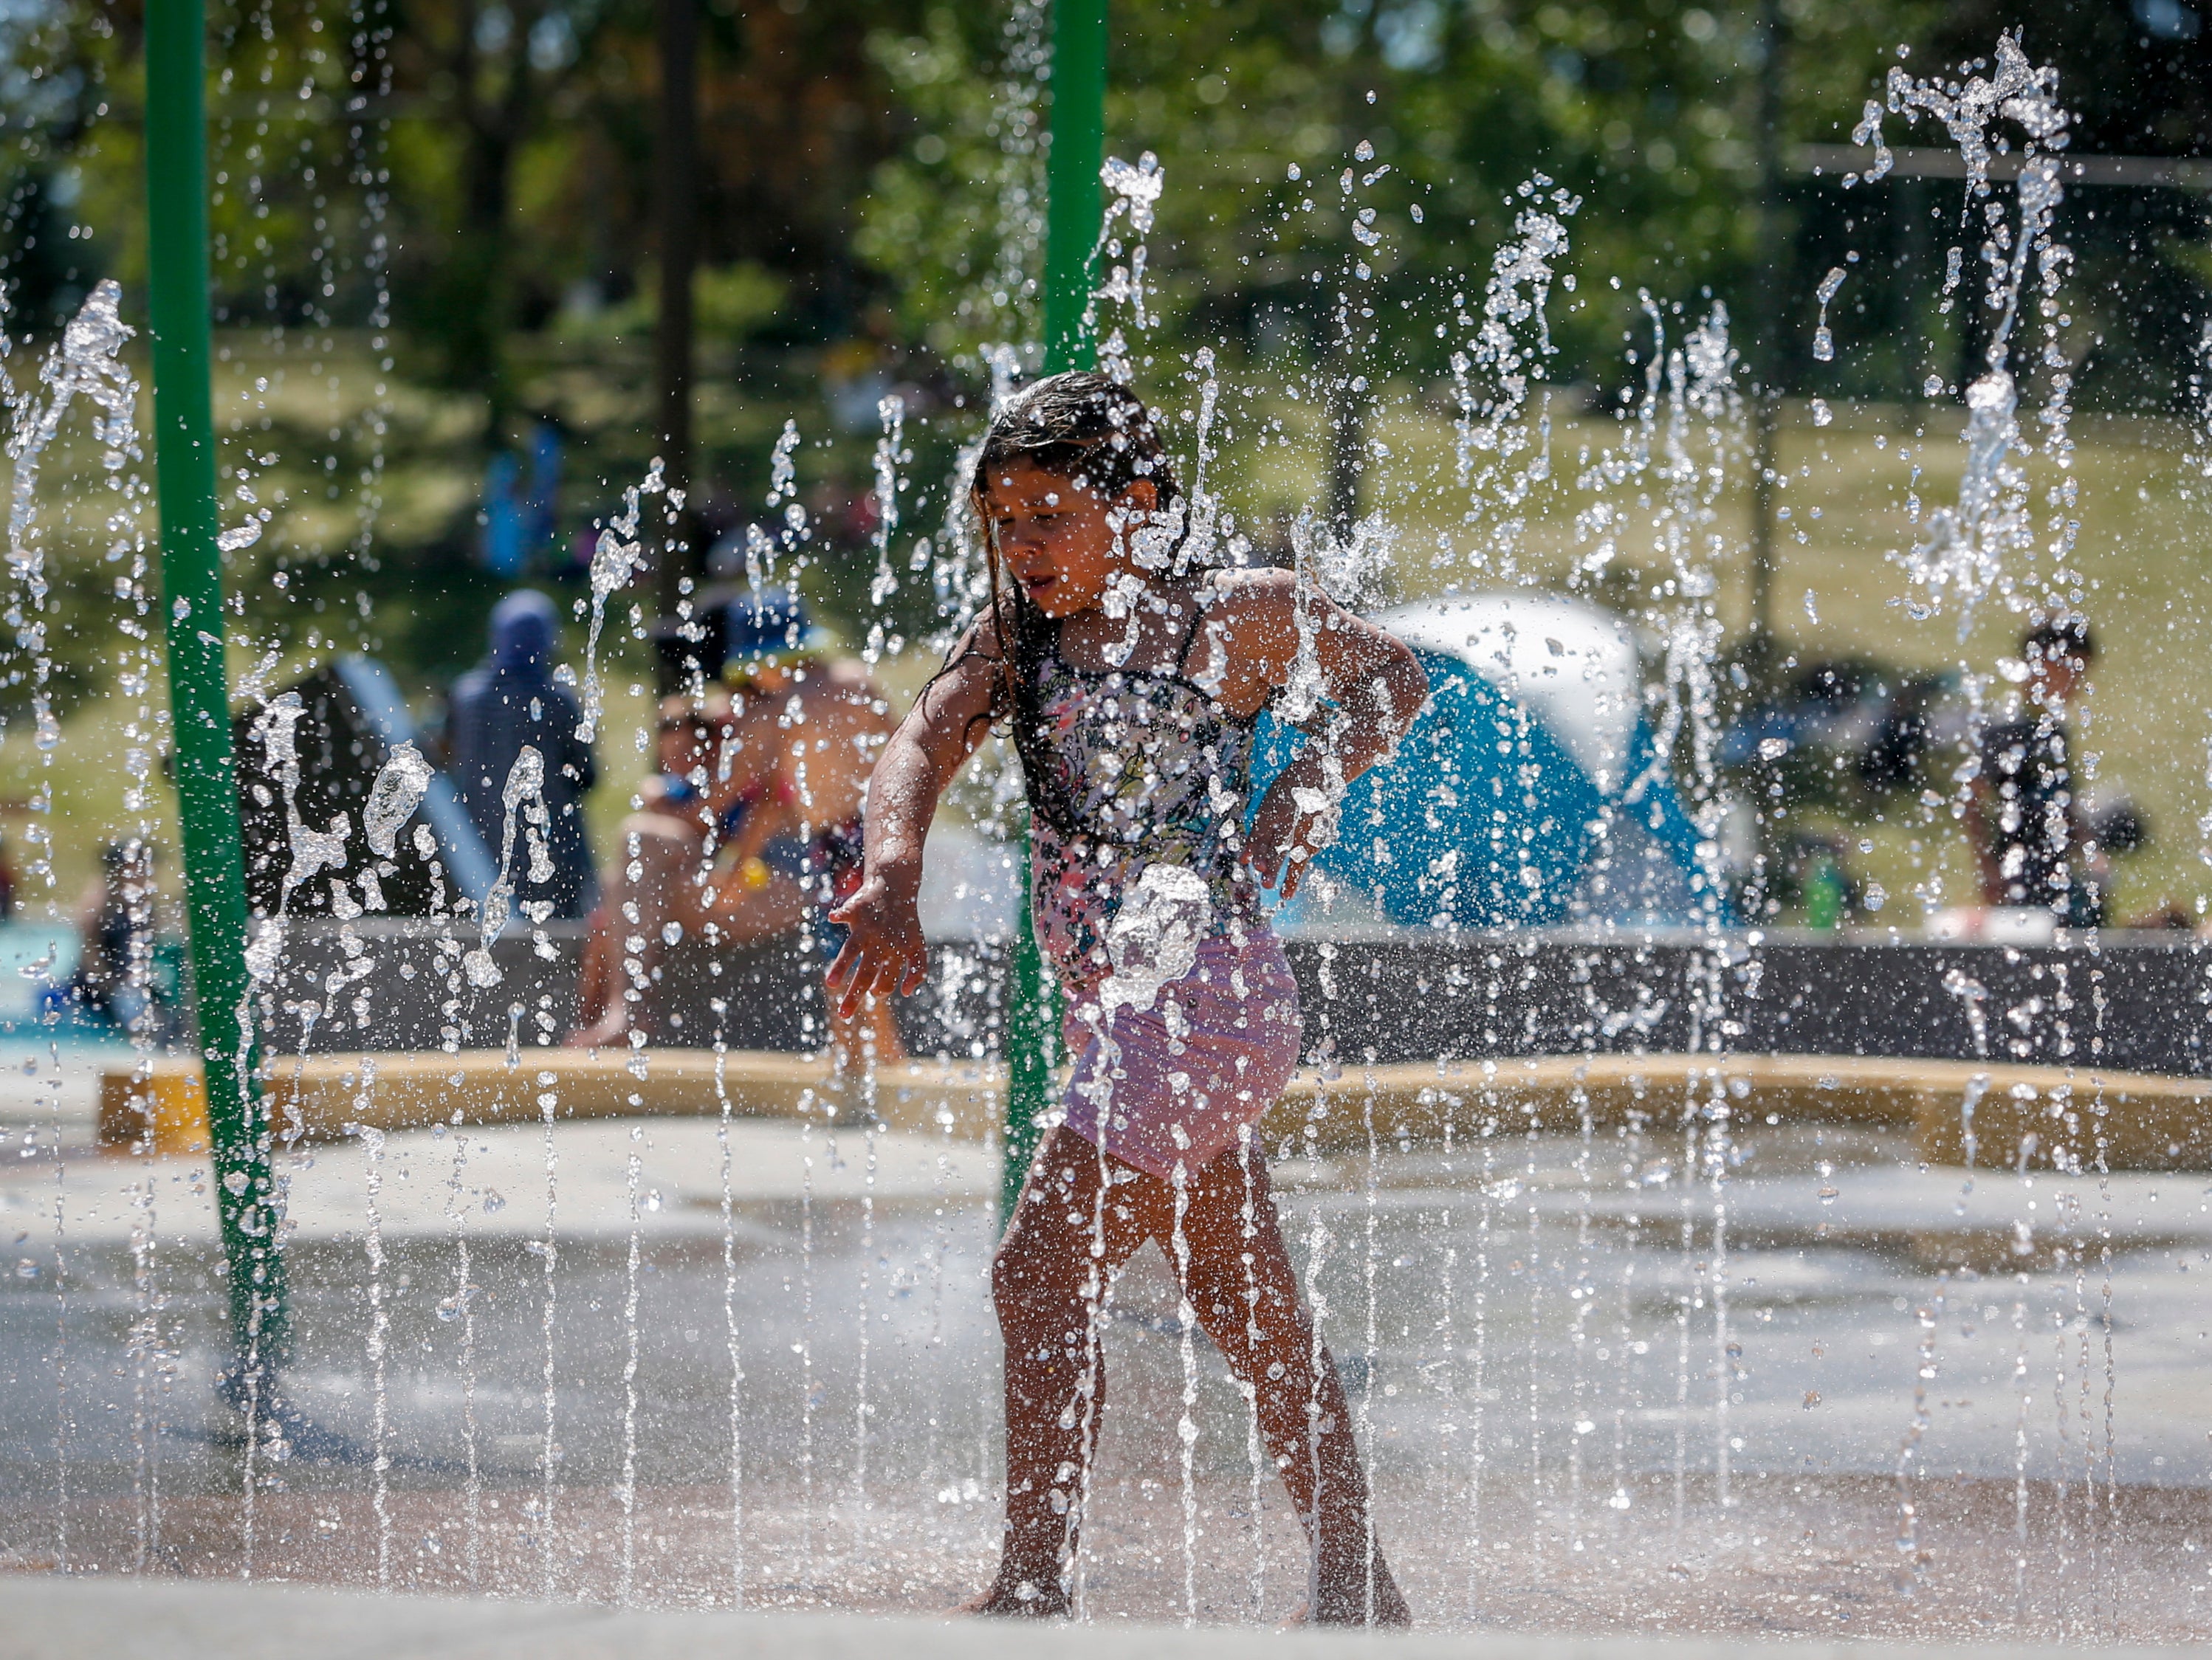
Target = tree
(487,77)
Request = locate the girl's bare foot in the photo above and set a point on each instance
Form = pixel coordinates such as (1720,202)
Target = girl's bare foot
(1343,1600)
(1017,1599)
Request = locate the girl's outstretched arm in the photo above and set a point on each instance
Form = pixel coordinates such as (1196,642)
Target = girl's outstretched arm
(883,950)
(1269,619)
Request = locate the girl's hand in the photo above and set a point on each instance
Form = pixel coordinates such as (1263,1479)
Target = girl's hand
(1295,821)
(883,950)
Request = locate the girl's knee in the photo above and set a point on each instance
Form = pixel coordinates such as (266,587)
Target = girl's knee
(1029,1279)
(1011,1272)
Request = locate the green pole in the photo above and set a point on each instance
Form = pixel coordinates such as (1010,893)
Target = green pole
(199,693)
(1079,148)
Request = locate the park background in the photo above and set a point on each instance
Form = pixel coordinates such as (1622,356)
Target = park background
(438,233)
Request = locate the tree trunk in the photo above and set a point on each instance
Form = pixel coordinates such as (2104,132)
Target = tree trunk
(478,279)
(678,205)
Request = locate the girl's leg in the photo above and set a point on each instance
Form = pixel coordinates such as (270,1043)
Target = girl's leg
(1048,1284)
(1249,1306)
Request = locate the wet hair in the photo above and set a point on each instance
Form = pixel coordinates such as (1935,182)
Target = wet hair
(2063,638)
(1082,427)
(1094,431)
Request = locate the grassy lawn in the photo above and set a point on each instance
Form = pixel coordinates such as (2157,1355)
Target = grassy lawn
(2144,548)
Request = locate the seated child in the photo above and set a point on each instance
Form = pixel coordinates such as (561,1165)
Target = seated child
(665,874)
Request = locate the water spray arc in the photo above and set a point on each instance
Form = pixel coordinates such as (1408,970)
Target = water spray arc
(207,778)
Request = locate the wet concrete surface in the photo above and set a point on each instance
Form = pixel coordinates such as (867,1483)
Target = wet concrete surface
(1596,1400)
(174,1620)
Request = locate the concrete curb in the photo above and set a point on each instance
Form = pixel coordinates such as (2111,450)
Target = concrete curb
(2142,1122)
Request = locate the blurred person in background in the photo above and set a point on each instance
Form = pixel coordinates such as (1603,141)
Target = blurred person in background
(508,700)
(808,723)
(2037,841)
(115,924)
(666,885)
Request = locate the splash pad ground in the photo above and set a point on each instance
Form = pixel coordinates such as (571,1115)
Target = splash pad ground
(1537,1382)
(184,1622)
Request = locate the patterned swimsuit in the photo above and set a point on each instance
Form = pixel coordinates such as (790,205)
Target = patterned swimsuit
(1154,772)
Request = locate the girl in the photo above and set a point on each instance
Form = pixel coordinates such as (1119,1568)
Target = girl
(1131,683)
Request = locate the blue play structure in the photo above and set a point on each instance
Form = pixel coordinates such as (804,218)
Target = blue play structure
(1529,795)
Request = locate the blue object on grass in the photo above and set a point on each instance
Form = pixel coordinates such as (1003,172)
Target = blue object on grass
(502,545)
(1529,793)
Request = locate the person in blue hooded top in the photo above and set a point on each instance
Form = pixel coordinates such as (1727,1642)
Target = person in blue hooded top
(508,700)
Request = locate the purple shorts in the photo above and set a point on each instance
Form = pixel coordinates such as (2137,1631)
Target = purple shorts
(1181,1081)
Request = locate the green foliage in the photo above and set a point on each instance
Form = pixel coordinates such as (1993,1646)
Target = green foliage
(952,222)
(1649,111)
(731,305)
(1645,109)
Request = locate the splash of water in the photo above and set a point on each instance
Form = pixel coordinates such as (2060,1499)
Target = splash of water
(892,454)
(1628,1396)
(1910,1456)
(615,559)
(1153,940)
(312,852)
(547,1250)
(524,791)
(864,1405)
(1583,1299)
(89,364)
(807,1103)
(1187,1354)
(1824,339)
(1010,289)
(399,787)
(1500,461)
(379,1317)
(461,1306)
(1256,1461)
(1966,551)
(626,1489)
(731,1337)
(1135,192)
(955,588)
